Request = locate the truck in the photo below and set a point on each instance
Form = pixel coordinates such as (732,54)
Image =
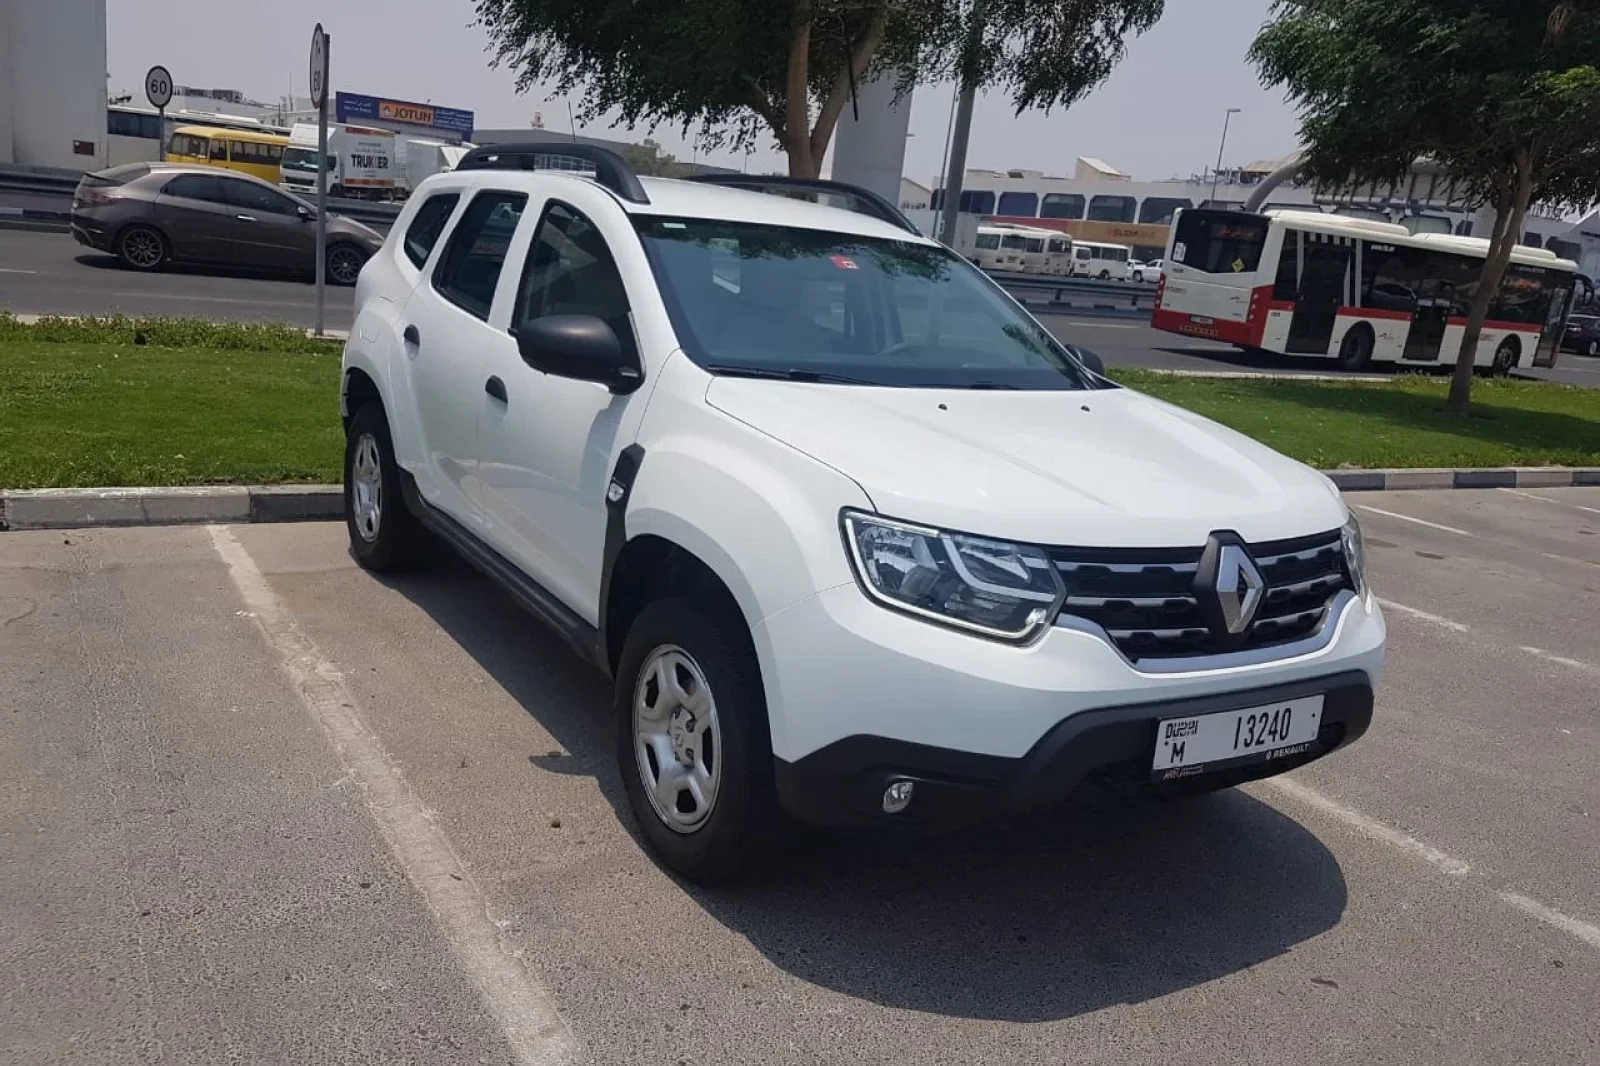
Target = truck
(421,158)
(362,162)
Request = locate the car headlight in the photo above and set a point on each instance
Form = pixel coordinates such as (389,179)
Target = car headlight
(1006,591)
(1355,553)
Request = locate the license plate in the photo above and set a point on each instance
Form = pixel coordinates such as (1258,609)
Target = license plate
(1202,320)
(1202,742)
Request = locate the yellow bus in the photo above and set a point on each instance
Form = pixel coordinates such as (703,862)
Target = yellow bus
(252,152)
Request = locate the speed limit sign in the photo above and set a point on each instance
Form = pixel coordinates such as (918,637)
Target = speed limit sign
(158,87)
(319,67)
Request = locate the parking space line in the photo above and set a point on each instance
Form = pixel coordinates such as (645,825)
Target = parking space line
(1546,499)
(1424,615)
(526,1012)
(1418,521)
(1552,657)
(1586,932)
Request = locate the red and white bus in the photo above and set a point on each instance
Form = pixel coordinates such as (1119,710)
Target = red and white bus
(1306,284)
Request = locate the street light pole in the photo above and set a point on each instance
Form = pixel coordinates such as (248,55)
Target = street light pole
(1216,174)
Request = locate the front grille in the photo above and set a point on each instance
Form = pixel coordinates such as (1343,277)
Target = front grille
(1144,598)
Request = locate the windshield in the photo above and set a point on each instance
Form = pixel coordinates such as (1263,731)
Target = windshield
(769,301)
(305,159)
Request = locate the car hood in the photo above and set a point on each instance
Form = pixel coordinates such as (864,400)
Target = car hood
(1102,468)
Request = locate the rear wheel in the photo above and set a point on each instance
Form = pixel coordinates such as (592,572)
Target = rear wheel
(1355,351)
(1594,349)
(384,534)
(692,741)
(1505,357)
(1105,275)
(141,248)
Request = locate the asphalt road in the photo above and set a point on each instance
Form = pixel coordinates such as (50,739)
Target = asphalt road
(260,806)
(48,273)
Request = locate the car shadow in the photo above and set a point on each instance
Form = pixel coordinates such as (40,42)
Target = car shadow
(101,261)
(1090,906)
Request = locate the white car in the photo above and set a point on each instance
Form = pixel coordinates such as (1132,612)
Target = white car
(858,541)
(1149,273)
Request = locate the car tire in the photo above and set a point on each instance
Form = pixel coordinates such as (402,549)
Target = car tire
(1594,349)
(142,248)
(385,536)
(1505,357)
(1355,350)
(719,708)
(344,263)
(1105,275)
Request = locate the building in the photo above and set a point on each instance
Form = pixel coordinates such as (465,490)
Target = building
(53,83)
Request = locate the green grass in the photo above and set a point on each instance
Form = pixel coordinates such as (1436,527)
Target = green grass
(109,402)
(1397,423)
(74,414)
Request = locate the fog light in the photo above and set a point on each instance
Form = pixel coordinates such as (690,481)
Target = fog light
(897,797)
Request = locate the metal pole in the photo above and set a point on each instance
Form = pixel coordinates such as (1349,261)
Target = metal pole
(955,170)
(322,187)
(161,133)
(1216,174)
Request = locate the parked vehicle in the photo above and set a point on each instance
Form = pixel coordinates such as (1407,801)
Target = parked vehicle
(150,214)
(1091,259)
(855,537)
(1147,273)
(253,152)
(1582,335)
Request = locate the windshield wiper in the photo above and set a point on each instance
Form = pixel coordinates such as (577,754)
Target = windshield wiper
(819,377)
(986,385)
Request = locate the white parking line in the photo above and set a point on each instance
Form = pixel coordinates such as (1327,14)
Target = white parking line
(1585,932)
(11,270)
(1546,499)
(1418,521)
(519,1002)
(1424,615)
(1548,656)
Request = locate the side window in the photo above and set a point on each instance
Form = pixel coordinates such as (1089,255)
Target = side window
(570,271)
(1286,286)
(1062,205)
(219,150)
(427,224)
(195,187)
(254,197)
(1019,204)
(469,269)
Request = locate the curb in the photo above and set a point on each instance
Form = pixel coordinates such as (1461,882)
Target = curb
(76,508)
(25,509)
(28,318)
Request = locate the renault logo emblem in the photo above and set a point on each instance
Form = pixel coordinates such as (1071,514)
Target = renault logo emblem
(1229,585)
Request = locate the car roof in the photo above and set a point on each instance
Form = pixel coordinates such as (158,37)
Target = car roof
(673,198)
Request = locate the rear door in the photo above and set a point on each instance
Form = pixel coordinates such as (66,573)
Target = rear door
(1323,280)
(445,334)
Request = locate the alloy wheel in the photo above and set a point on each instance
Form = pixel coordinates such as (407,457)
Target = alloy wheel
(344,265)
(142,248)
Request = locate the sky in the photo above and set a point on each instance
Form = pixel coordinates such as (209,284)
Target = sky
(1159,115)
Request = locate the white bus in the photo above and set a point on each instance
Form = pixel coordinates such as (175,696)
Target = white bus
(1091,259)
(1355,290)
(134,134)
(1023,249)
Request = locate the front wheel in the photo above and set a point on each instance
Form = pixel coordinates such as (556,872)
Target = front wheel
(692,741)
(1505,357)
(1355,351)
(1105,275)
(344,264)
(1594,349)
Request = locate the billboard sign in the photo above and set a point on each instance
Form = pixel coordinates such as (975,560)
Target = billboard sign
(354,107)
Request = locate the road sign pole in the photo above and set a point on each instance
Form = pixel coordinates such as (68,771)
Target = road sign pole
(321,45)
(161,134)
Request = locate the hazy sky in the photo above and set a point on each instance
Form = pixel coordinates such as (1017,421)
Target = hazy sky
(1159,115)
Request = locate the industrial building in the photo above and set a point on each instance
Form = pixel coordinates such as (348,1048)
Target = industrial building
(53,83)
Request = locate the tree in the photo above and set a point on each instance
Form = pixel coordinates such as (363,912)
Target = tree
(1504,94)
(736,69)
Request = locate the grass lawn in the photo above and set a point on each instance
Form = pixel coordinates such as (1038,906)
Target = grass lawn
(1394,423)
(120,402)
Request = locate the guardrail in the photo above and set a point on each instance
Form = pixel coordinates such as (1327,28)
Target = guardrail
(1080,296)
(50,183)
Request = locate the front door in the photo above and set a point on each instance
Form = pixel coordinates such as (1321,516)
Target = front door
(1321,294)
(198,219)
(1435,298)
(275,234)
(1555,319)
(546,452)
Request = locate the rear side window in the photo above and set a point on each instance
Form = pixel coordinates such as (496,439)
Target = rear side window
(195,187)
(427,224)
(469,269)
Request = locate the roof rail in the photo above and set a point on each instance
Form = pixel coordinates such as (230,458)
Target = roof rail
(610,169)
(862,201)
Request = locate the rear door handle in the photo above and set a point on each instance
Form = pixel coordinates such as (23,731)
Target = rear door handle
(411,336)
(496,388)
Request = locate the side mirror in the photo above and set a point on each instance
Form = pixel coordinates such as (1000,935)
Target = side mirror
(305,213)
(581,347)
(1089,359)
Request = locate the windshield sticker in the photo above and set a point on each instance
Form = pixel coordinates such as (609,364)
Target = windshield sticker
(844,262)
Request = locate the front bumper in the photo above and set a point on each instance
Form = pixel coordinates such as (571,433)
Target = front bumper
(858,694)
(843,784)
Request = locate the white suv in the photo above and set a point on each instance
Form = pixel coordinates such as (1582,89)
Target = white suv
(858,540)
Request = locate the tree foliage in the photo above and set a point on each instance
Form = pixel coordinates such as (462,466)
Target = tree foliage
(734,71)
(1504,94)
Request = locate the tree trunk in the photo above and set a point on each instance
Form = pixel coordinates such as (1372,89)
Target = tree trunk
(1510,212)
(797,94)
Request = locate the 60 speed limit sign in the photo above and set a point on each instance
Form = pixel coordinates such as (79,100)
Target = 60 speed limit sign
(319,66)
(158,87)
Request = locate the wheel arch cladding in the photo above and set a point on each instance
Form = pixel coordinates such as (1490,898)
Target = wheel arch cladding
(359,390)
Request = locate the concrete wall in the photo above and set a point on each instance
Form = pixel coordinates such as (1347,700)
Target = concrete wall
(53,83)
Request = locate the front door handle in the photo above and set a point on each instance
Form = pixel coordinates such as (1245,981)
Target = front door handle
(411,336)
(245,218)
(496,388)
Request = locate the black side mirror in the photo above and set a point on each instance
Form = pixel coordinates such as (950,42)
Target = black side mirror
(581,347)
